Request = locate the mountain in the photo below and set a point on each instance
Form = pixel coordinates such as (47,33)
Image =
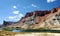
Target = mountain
(39,19)
(8,23)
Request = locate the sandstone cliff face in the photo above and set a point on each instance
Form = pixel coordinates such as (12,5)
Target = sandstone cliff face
(40,19)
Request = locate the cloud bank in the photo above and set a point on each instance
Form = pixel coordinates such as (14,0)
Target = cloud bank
(49,1)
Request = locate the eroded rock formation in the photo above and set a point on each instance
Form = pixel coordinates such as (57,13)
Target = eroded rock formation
(40,19)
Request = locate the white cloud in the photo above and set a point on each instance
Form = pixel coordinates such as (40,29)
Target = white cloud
(14,6)
(20,15)
(11,17)
(50,1)
(17,17)
(16,12)
(33,5)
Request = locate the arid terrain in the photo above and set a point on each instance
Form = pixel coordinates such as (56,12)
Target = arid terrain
(8,33)
(38,20)
(47,19)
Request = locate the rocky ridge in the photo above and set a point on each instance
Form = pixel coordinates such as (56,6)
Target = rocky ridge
(40,19)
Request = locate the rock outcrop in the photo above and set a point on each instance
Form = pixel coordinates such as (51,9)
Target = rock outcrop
(8,23)
(40,19)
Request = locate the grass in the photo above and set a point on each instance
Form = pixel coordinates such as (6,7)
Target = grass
(33,30)
(7,33)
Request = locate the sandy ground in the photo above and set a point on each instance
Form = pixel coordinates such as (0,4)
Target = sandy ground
(39,34)
(8,33)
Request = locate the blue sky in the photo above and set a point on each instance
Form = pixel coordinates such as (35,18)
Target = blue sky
(13,10)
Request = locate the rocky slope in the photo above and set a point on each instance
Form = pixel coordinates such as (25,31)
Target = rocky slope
(40,19)
(8,23)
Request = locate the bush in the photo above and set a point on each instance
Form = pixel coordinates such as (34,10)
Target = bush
(18,28)
(43,29)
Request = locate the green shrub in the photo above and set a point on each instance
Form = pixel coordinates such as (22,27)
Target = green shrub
(18,28)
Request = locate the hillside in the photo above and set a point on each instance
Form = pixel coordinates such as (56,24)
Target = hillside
(49,19)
